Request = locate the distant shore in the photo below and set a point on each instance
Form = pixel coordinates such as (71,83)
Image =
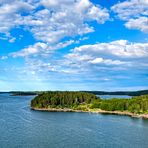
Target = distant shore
(99,111)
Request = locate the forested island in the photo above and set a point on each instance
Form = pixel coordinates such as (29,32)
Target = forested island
(24,93)
(88,102)
(128,93)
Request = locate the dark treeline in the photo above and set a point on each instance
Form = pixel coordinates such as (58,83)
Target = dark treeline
(84,100)
(128,93)
(62,99)
(21,93)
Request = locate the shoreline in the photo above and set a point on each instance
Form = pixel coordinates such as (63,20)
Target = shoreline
(98,111)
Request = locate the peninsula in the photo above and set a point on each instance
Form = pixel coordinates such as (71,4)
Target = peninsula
(70,101)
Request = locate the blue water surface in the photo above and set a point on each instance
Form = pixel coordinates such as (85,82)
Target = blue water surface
(21,127)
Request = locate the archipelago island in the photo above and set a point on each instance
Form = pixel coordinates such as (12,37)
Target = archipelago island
(75,101)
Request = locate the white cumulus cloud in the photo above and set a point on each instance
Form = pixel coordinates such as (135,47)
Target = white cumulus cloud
(119,48)
(134,12)
(120,54)
(56,20)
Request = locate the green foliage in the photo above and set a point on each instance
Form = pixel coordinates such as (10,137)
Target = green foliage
(113,104)
(62,99)
(136,105)
(84,101)
(95,103)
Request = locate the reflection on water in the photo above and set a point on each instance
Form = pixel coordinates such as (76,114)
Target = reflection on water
(22,127)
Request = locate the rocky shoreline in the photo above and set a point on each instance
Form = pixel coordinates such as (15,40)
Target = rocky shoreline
(93,111)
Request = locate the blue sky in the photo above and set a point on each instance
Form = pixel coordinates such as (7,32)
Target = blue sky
(73,45)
